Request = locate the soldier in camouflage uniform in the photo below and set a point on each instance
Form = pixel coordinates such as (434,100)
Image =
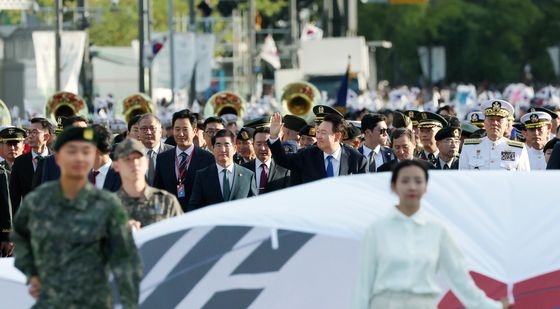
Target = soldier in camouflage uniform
(144,204)
(68,234)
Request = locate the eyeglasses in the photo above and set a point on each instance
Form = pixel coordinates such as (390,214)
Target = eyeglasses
(145,129)
(34,132)
(211,131)
(451,141)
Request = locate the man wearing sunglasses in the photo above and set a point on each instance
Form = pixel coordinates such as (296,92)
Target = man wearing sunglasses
(374,148)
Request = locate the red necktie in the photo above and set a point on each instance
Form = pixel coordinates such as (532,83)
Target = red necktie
(94,176)
(264,179)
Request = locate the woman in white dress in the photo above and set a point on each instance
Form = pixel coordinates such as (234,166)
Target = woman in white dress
(410,248)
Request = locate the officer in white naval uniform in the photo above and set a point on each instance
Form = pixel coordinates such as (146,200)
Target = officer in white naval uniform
(494,151)
(536,129)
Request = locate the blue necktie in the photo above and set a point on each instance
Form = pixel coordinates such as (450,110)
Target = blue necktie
(330,169)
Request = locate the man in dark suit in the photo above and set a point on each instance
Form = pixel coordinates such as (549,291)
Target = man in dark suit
(103,176)
(326,159)
(375,129)
(176,168)
(26,164)
(47,169)
(225,180)
(447,141)
(404,144)
(150,135)
(269,176)
(554,161)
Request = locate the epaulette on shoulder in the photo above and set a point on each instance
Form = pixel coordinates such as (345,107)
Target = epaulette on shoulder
(515,144)
(472,141)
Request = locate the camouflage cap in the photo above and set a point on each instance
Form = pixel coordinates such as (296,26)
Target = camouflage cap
(72,134)
(128,147)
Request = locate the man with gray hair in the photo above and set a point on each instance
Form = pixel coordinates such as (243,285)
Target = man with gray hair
(150,136)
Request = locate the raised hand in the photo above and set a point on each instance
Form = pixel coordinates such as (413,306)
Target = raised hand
(275,125)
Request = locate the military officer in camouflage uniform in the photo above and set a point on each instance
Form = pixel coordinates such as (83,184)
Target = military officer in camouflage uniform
(144,204)
(68,234)
(494,151)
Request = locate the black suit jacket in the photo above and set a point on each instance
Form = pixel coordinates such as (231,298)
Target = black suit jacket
(278,177)
(388,167)
(166,178)
(112,180)
(47,170)
(21,179)
(310,161)
(387,153)
(5,222)
(554,161)
(454,165)
(207,190)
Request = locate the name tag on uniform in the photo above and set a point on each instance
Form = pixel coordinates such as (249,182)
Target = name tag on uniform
(508,156)
(181,190)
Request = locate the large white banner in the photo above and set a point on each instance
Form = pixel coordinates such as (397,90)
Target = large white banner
(71,56)
(204,60)
(191,51)
(437,65)
(308,246)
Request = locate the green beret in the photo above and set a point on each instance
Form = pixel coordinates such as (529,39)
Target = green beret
(294,122)
(245,134)
(260,122)
(75,134)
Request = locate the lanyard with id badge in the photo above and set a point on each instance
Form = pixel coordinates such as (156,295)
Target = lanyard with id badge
(180,185)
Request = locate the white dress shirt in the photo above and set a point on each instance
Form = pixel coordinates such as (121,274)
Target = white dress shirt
(178,152)
(258,170)
(229,175)
(376,155)
(335,161)
(103,170)
(156,150)
(443,163)
(34,155)
(536,159)
(409,251)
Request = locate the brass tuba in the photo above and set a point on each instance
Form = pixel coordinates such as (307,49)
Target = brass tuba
(5,118)
(299,98)
(65,104)
(136,104)
(224,102)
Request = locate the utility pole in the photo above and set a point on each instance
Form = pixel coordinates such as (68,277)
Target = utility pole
(252,45)
(192,28)
(294,31)
(58,43)
(141,56)
(171,30)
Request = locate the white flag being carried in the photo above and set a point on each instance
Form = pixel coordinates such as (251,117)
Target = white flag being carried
(311,33)
(269,52)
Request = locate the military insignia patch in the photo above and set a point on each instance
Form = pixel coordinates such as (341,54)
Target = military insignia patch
(411,114)
(508,156)
(312,131)
(424,116)
(474,118)
(532,109)
(456,133)
(245,135)
(321,110)
(11,131)
(496,106)
(88,134)
(534,118)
